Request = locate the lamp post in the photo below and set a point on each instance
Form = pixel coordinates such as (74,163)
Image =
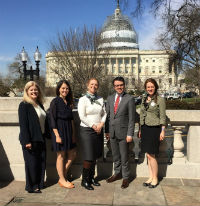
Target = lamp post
(31,72)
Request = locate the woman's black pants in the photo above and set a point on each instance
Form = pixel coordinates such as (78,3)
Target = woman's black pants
(35,165)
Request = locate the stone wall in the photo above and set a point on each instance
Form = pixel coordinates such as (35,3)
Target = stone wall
(12,163)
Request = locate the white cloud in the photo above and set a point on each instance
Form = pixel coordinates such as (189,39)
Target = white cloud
(5,58)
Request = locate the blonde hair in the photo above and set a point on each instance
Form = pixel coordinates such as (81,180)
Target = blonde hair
(26,98)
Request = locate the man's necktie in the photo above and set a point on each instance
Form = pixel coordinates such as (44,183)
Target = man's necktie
(116,104)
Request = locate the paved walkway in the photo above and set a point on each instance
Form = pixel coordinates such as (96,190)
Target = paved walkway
(171,191)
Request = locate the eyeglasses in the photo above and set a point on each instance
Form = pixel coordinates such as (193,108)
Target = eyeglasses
(119,85)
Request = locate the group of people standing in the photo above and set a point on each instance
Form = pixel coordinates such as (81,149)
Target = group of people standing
(118,116)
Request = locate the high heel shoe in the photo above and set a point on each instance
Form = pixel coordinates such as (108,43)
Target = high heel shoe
(68,187)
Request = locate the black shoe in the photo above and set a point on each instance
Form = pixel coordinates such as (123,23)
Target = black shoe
(87,185)
(153,186)
(95,182)
(146,184)
(34,191)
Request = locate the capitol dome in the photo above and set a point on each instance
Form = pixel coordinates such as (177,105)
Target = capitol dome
(118,32)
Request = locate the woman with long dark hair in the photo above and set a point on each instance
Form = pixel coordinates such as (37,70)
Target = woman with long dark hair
(63,134)
(152,130)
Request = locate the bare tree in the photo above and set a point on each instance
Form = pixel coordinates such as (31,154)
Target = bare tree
(78,56)
(181,34)
(4,89)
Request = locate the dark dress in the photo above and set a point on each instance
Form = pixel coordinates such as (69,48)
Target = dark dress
(150,139)
(61,117)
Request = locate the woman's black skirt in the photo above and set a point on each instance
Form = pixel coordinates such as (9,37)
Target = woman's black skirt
(150,139)
(92,143)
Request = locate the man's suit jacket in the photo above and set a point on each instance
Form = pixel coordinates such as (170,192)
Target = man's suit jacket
(121,124)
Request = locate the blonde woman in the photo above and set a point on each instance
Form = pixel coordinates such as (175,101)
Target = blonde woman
(32,118)
(91,110)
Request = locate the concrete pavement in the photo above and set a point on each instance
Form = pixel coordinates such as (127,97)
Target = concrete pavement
(171,191)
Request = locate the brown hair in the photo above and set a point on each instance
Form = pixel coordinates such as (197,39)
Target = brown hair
(153,81)
(26,98)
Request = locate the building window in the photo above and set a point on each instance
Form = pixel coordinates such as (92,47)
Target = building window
(153,60)
(100,61)
(126,70)
(120,61)
(113,61)
(126,60)
(153,69)
(170,80)
(160,80)
(160,69)
(147,60)
(126,81)
(133,81)
(140,69)
(106,61)
(133,60)
(120,70)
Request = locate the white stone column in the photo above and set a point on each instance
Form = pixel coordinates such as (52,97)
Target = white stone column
(193,144)
(123,68)
(136,68)
(130,66)
(178,142)
(117,65)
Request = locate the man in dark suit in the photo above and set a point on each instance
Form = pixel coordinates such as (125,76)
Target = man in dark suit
(119,128)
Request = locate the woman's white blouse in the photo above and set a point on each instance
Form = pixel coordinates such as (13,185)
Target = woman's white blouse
(42,116)
(91,113)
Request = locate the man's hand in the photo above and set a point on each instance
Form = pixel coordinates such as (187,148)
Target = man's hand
(129,139)
(107,136)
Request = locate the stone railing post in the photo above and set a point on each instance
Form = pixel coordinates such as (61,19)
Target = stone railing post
(178,142)
(193,144)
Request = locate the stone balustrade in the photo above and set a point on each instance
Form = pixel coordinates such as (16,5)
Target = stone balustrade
(185,162)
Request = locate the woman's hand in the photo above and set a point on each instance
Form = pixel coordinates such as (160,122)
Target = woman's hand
(99,127)
(28,146)
(162,135)
(58,140)
(139,134)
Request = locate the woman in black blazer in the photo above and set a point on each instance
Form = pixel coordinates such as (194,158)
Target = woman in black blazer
(32,121)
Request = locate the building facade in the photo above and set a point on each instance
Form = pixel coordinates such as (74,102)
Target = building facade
(125,59)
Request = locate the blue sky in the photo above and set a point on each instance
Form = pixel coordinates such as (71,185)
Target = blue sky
(30,23)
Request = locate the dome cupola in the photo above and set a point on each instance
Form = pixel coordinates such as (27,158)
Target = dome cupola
(118,32)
